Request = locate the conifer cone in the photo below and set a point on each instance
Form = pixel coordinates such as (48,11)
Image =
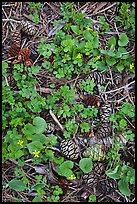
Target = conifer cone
(70,149)
(97,77)
(105,112)
(96,152)
(16,37)
(24,54)
(90,179)
(99,167)
(91,100)
(50,128)
(107,186)
(28,28)
(103,131)
(14,50)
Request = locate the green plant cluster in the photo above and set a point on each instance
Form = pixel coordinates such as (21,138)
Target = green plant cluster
(127,17)
(75,48)
(125,176)
(34,10)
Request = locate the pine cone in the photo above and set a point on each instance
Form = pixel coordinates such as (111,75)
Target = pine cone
(103,131)
(96,152)
(50,128)
(107,186)
(28,28)
(28,63)
(91,100)
(99,167)
(16,37)
(90,179)
(105,112)
(14,50)
(24,54)
(70,149)
(97,77)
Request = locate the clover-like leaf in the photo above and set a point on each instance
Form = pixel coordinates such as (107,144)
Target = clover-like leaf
(40,125)
(17,185)
(111,41)
(75,29)
(124,187)
(114,174)
(65,168)
(86,165)
(36,145)
(123,40)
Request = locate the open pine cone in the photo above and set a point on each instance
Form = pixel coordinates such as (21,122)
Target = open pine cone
(28,28)
(24,54)
(91,100)
(14,50)
(70,149)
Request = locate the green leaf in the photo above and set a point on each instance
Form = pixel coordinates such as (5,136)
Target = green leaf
(86,165)
(111,41)
(123,123)
(92,198)
(76,30)
(114,174)
(40,125)
(120,67)
(88,35)
(4,68)
(17,185)
(38,137)
(37,199)
(28,130)
(123,40)
(124,187)
(84,127)
(19,153)
(110,61)
(38,185)
(53,139)
(36,145)
(102,66)
(65,168)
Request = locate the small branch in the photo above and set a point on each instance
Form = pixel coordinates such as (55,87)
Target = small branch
(123,87)
(116,29)
(12,20)
(56,120)
(105,9)
(129,122)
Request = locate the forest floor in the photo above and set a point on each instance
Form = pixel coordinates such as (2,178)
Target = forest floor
(61,64)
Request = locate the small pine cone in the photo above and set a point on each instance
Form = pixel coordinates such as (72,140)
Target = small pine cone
(97,77)
(14,50)
(90,180)
(28,28)
(107,186)
(105,112)
(96,152)
(99,167)
(28,63)
(24,54)
(50,128)
(16,37)
(70,149)
(91,100)
(104,131)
